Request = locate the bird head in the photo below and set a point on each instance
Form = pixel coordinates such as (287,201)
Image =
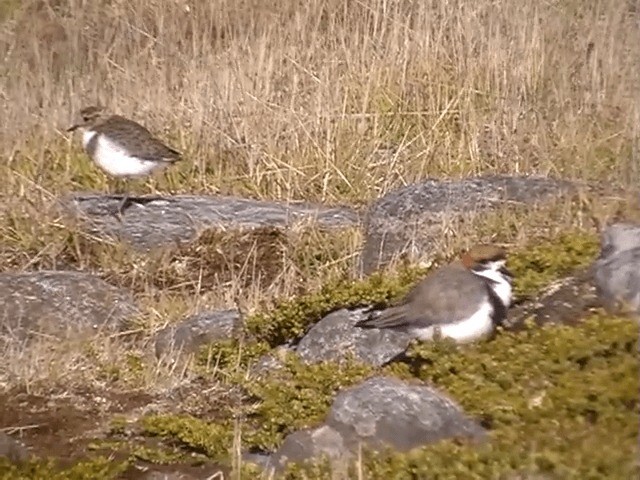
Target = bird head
(89,116)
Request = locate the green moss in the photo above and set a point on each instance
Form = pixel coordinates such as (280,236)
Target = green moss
(292,318)
(118,424)
(212,439)
(298,396)
(294,397)
(534,266)
(100,468)
(158,455)
(561,401)
(540,264)
(230,356)
(134,450)
(8,8)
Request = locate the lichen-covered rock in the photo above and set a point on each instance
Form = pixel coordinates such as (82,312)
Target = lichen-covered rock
(617,271)
(60,303)
(272,361)
(387,412)
(378,413)
(564,301)
(335,336)
(197,330)
(166,221)
(310,444)
(408,220)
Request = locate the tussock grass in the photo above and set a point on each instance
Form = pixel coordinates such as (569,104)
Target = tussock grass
(328,101)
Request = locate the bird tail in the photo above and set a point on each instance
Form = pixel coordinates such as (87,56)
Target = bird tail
(390,318)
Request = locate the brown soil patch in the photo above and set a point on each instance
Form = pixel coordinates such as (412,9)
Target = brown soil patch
(61,425)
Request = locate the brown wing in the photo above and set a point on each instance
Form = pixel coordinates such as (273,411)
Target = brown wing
(139,141)
(448,295)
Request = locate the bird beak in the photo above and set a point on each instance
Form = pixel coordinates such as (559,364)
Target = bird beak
(505,271)
(72,128)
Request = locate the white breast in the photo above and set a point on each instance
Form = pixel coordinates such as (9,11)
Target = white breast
(115,160)
(477,326)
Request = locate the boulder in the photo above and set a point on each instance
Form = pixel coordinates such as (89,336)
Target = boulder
(565,302)
(198,330)
(322,442)
(335,336)
(60,303)
(387,412)
(379,413)
(616,272)
(409,220)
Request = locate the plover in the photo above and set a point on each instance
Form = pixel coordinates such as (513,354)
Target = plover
(122,147)
(463,300)
(616,272)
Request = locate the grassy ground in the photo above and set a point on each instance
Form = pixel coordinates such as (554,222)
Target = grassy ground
(329,101)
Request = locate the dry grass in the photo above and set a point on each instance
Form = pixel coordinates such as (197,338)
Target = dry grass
(324,100)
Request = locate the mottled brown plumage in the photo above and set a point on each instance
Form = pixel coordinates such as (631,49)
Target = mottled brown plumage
(137,140)
(122,147)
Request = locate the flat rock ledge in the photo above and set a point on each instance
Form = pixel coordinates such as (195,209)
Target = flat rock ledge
(153,221)
(60,304)
(409,220)
(381,412)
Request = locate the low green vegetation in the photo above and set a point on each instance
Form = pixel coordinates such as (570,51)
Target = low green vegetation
(557,400)
(540,264)
(294,397)
(548,396)
(534,267)
(98,468)
(291,319)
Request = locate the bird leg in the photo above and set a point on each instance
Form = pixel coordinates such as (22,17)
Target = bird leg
(125,202)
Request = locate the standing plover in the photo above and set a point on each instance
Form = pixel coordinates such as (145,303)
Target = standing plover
(463,300)
(616,272)
(122,147)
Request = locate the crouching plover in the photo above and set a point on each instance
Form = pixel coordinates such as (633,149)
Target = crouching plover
(616,272)
(464,300)
(122,147)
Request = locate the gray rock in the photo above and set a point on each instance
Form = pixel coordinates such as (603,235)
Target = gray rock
(197,330)
(619,238)
(616,272)
(12,450)
(270,362)
(322,442)
(386,412)
(408,220)
(262,460)
(151,222)
(333,337)
(60,303)
(565,302)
